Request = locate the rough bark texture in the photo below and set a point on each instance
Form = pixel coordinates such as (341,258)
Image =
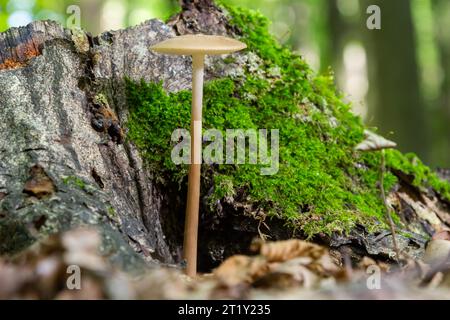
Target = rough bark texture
(47,109)
(200,16)
(63,157)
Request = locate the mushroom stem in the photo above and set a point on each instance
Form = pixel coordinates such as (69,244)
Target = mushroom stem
(196,46)
(193,196)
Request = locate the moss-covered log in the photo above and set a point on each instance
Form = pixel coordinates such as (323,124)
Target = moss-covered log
(87,124)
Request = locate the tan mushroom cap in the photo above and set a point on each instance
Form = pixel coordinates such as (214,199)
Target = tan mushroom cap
(198,44)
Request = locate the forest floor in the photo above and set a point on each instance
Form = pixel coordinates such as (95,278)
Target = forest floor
(291,269)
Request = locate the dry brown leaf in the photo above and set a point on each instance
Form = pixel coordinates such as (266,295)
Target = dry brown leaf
(325,266)
(289,249)
(366,262)
(241,269)
(297,270)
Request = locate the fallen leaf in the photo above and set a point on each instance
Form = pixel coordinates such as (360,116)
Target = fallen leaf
(241,269)
(289,274)
(289,249)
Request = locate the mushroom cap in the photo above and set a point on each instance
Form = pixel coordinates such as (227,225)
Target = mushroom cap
(198,44)
(437,252)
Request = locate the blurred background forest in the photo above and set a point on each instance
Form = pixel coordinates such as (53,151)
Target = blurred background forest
(397,78)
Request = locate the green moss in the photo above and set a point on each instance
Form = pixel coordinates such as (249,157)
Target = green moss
(101,99)
(323,185)
(421,175)
(229,59)
(74,181)
(111,212)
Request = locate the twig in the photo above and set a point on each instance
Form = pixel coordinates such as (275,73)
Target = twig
(386,206)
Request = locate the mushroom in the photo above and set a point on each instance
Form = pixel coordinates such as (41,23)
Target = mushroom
(438,249)
(196,46)
(375,142)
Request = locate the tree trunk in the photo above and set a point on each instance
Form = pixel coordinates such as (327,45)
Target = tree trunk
(392,59)
(440,127)
(337,30)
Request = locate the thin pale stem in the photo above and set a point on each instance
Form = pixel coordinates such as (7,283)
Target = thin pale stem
(193,197)
(386,206)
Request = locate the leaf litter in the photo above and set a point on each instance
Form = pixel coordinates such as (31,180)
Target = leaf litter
(290,269)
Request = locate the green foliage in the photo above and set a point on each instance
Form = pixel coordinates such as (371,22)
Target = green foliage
(323,185)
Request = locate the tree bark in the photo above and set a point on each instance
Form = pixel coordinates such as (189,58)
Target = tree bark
(46,85)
